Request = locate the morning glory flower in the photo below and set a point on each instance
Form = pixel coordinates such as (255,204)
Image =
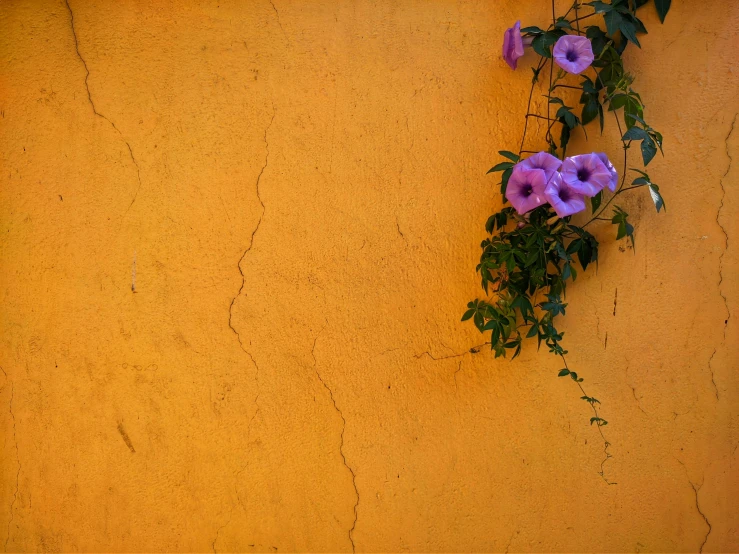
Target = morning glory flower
(562,197)
(585,174)
(513,45)
(544,161)
(525,190)
(573,53)
(613,183)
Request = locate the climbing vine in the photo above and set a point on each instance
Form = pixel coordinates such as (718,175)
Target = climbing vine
(540,239)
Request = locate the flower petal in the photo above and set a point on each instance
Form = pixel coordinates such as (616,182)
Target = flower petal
(562,198)
(613,183)
(573,44)
(525,188)
(585,174)
(513,45)
(543,160)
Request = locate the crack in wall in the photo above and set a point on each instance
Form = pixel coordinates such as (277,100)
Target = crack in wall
(18,461)
(279,22)
(508,546)
(723,229)
(473,350)
(459,368)
(697,488)
(341,445)
(94,109)
(638,402)
(710,368)
(615,302)
(218,532)
(241,271)
(697,507)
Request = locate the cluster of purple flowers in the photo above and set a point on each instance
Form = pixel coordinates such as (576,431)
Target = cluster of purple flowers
(572,53)
(543,178)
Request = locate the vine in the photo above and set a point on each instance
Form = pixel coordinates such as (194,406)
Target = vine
(530,254)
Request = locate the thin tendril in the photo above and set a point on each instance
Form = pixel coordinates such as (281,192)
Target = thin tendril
(541,63)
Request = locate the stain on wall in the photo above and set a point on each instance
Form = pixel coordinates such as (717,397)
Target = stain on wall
(237,240)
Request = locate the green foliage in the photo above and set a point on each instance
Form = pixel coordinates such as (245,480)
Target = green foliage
(543,42)
(625,229)
(650,139)
(528,260)
(663,6)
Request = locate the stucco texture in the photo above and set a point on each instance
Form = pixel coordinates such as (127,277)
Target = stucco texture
(296,191)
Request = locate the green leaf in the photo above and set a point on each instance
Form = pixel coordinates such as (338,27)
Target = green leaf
(554,306)
(468,314)
(598,39)
(639,119)
(636,133)
(595,201)
(617,101)
(502,166)
(629,31)
(479,321)
(566,272)
(590,111)
(600,7)
(613,21)
(569,118)
(663,6)
(564,137)
(510,155)
(657,197)
(504,182)
(533,30)
(648,149)
(625,229)
(542,44)
(632,110)
(563,373)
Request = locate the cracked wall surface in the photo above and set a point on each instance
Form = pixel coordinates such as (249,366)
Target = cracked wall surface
(237,240)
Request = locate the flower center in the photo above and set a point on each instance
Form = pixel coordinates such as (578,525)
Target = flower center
(528,190)
(571,56)
(583,174)
(564,195)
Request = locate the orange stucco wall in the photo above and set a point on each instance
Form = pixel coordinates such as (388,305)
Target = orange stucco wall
(299,188)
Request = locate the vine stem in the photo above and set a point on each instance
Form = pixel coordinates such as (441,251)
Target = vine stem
(606,444)
(548,136)
(539,66)
(577,20)
(540,116)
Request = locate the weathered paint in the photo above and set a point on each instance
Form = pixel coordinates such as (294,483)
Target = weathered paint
(237,239)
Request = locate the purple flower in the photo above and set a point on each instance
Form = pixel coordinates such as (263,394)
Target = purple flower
(562,197)
(544,161)
(585,174)
(513,45)
(525,190)
(612,170)
(573,53)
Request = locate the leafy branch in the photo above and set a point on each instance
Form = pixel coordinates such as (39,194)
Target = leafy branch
(532,254)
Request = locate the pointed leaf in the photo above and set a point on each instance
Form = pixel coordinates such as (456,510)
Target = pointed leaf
(663,6)
(657,197)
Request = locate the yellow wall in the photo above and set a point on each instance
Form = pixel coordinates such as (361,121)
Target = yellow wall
(332,156)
